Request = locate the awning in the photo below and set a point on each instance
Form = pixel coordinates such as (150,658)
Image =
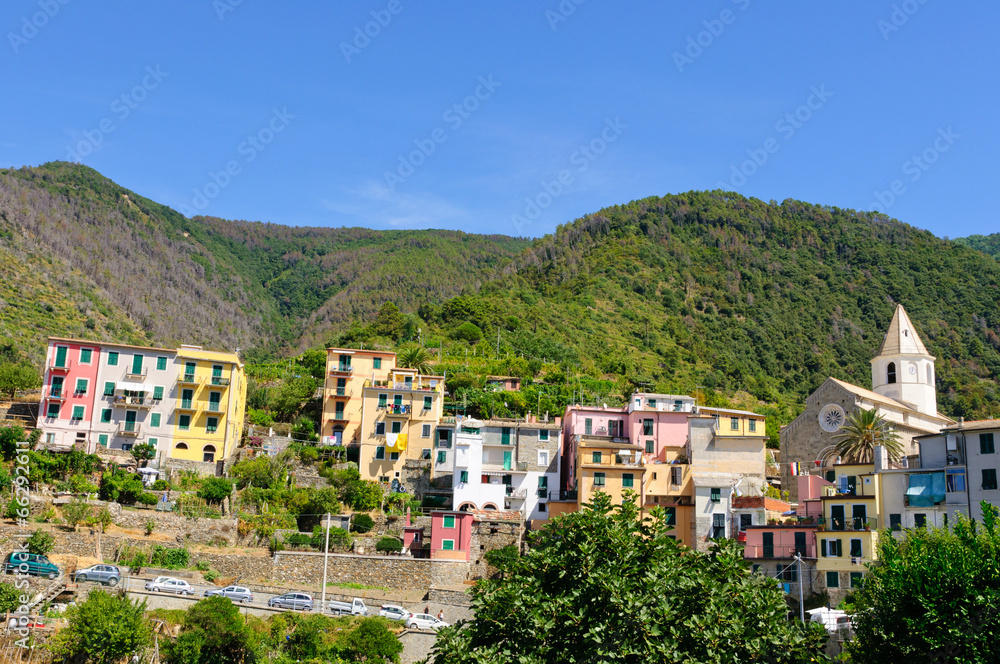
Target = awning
(132,386)
(493,473)
(926,489)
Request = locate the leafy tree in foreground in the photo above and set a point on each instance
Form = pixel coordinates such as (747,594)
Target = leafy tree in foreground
(932,597)
(862,432)
(17,376)
(215,489)
(104,629)
(215,633)
(371,641)
(606,585)
(40,542)
(142,453)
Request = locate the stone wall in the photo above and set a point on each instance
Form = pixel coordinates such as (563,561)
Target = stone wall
(450,597)
(243,567)
(394,572)
(205,469)
(490,535)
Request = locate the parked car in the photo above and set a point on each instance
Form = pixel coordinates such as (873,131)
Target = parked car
(33,564)
(831,619)
(294,601)
(424,621)
(394,612)
(168,584)
(104,574)
(234,593)
(356,607)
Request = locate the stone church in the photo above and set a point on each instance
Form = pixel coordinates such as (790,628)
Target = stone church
(902,392)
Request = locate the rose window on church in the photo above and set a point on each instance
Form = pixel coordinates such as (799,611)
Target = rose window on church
(831,418)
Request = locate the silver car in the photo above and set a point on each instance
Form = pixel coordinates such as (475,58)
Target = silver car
(424,621)
(168,584)
(234,593)
(104,574)
(294,601)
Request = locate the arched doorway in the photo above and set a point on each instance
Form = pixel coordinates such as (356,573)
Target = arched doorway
(208,453)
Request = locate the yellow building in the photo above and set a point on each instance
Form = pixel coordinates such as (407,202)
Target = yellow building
(669,487)
(848,531)
(610,467)
(347,371)
(729,422)
(211,394)
(399,417)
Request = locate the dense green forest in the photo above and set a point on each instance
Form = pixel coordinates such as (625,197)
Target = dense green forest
(707,293)
(988,244)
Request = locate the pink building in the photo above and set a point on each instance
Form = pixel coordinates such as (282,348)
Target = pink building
(451,535)
(780,542)
(610,423)
(810,495)
(68,393)
(657,422)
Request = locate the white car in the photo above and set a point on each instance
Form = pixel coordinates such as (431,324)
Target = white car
(424,621)
(168,584)
(394,612)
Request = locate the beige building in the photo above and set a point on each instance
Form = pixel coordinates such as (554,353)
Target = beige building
(347,371)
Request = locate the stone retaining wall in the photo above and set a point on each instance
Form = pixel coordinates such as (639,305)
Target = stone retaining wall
(258,568)
(381,571)
(450,597)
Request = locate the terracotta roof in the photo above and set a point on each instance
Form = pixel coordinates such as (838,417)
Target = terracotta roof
(973,425)
(901,338)
(878,398)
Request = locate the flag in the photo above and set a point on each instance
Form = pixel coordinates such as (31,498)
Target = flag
(794,466)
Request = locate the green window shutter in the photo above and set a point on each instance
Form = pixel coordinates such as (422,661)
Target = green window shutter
(397,399)
(158,392)
(428,402)
(382,398)
(856,548)
(53,411)
(61,356)
(442,457)
(627,480)
(81,385)
(840,548)
(106,415)
(596,457)
(856,578)
(449,522)
(377,363)
(113,358)
(448,545)
(380,452)
(649,446)
(716,495)
(833,579)
(154,420)
(189,370)
(671,513)
(85,355)
(464,478)
(137,364)
(211,424)
(184,422)
(543,482)
(161,363)
(152,441)
(109,389)
(397,426)
(599,479)
(77,412)
(103,439)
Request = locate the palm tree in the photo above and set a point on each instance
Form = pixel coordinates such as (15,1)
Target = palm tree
(862,432)
(414,357)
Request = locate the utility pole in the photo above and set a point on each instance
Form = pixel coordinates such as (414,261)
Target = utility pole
(802,606)
(326,557)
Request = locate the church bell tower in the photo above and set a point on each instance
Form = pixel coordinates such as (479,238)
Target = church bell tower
(903,369)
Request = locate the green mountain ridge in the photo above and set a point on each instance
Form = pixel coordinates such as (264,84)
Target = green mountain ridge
(698,292)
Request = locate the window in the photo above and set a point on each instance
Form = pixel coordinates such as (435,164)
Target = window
(856,548)
(106,415)
(158,393)
(211,424)
(152,441)
(986,443)
(81,385)
(789,573)
(183,422)
(102,439)
(448,545)
(397,426)
(136,365)
(380,428)
(543,458)
(676,475)
(154,420)
(628,480)
(449,521)
(833,578)
(734,423)
(543,434)
(956,481)
(647,427)
(649,446)
(161,364)
(442,457)
(919,520)
(113,358)
(588,426)
(425,431)
(189,371)
(109,389)
(890,373)
(208,453)
(541,507)
(380,452)
(989,479)
(671,513)
(598,479)
(595,457)
(425,454)
(53,411)
(393,456)
(752,424)
(377,363)
(78,415)
(181,446)
(85,355)
(428,402)
(718,525)
(832,548)
(716,495)
(651,403)
(464,477)
(856,578)
(895,522)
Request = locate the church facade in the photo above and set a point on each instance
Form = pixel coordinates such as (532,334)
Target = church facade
(903,392)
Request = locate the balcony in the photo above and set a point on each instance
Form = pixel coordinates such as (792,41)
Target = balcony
(56,394)
(341,392)
(214,407)
(186,404)
(189,379)
(341,369)
(775,551)
(132,374)
(396,409)
(338,417)
(853,524)
(65,366)
(135,402)
(516,494)
(219,381)
(398,386)
(567,494)
(129,429)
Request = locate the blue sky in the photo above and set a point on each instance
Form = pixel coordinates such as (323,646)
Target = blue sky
(510,117)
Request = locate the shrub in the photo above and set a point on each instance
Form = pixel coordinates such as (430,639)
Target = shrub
(177,558)
(215,489)
(45,516)
(389,545)
(122,487)
(298,539)
(150,527)
(339,538)
(210,575)
(260,417)
(147,498)
(308,455)
(104,518)
(81,484)
(76,512)
(40,542)
(362,523)
(161,485)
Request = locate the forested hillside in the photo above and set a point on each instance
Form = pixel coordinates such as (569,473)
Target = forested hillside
(988,244)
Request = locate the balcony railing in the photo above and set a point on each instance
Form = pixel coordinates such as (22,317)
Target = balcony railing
(396,409)
(567,494)
(342,392)
(129,429)
(131,373)
(55,393)
(850,523)
(214,407)
(520,494)
(137,402)
(776,551)
(186,404)
(398,386)
(65,366)
(338,417)
(220,381)
(341,369)
(189,378)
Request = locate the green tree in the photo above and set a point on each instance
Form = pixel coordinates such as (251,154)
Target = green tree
(412,356)
(40,542)
(862,432)
(104,629)
(142,453)
(214,632)
(389,322)
(215,489)
(18,376)
(287,400)
(468,332)
(932,596)
(121,487)
(606,585)
(10,598)
(363,495)
(76,511)
(10,436)
(314,361)
(371,641)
